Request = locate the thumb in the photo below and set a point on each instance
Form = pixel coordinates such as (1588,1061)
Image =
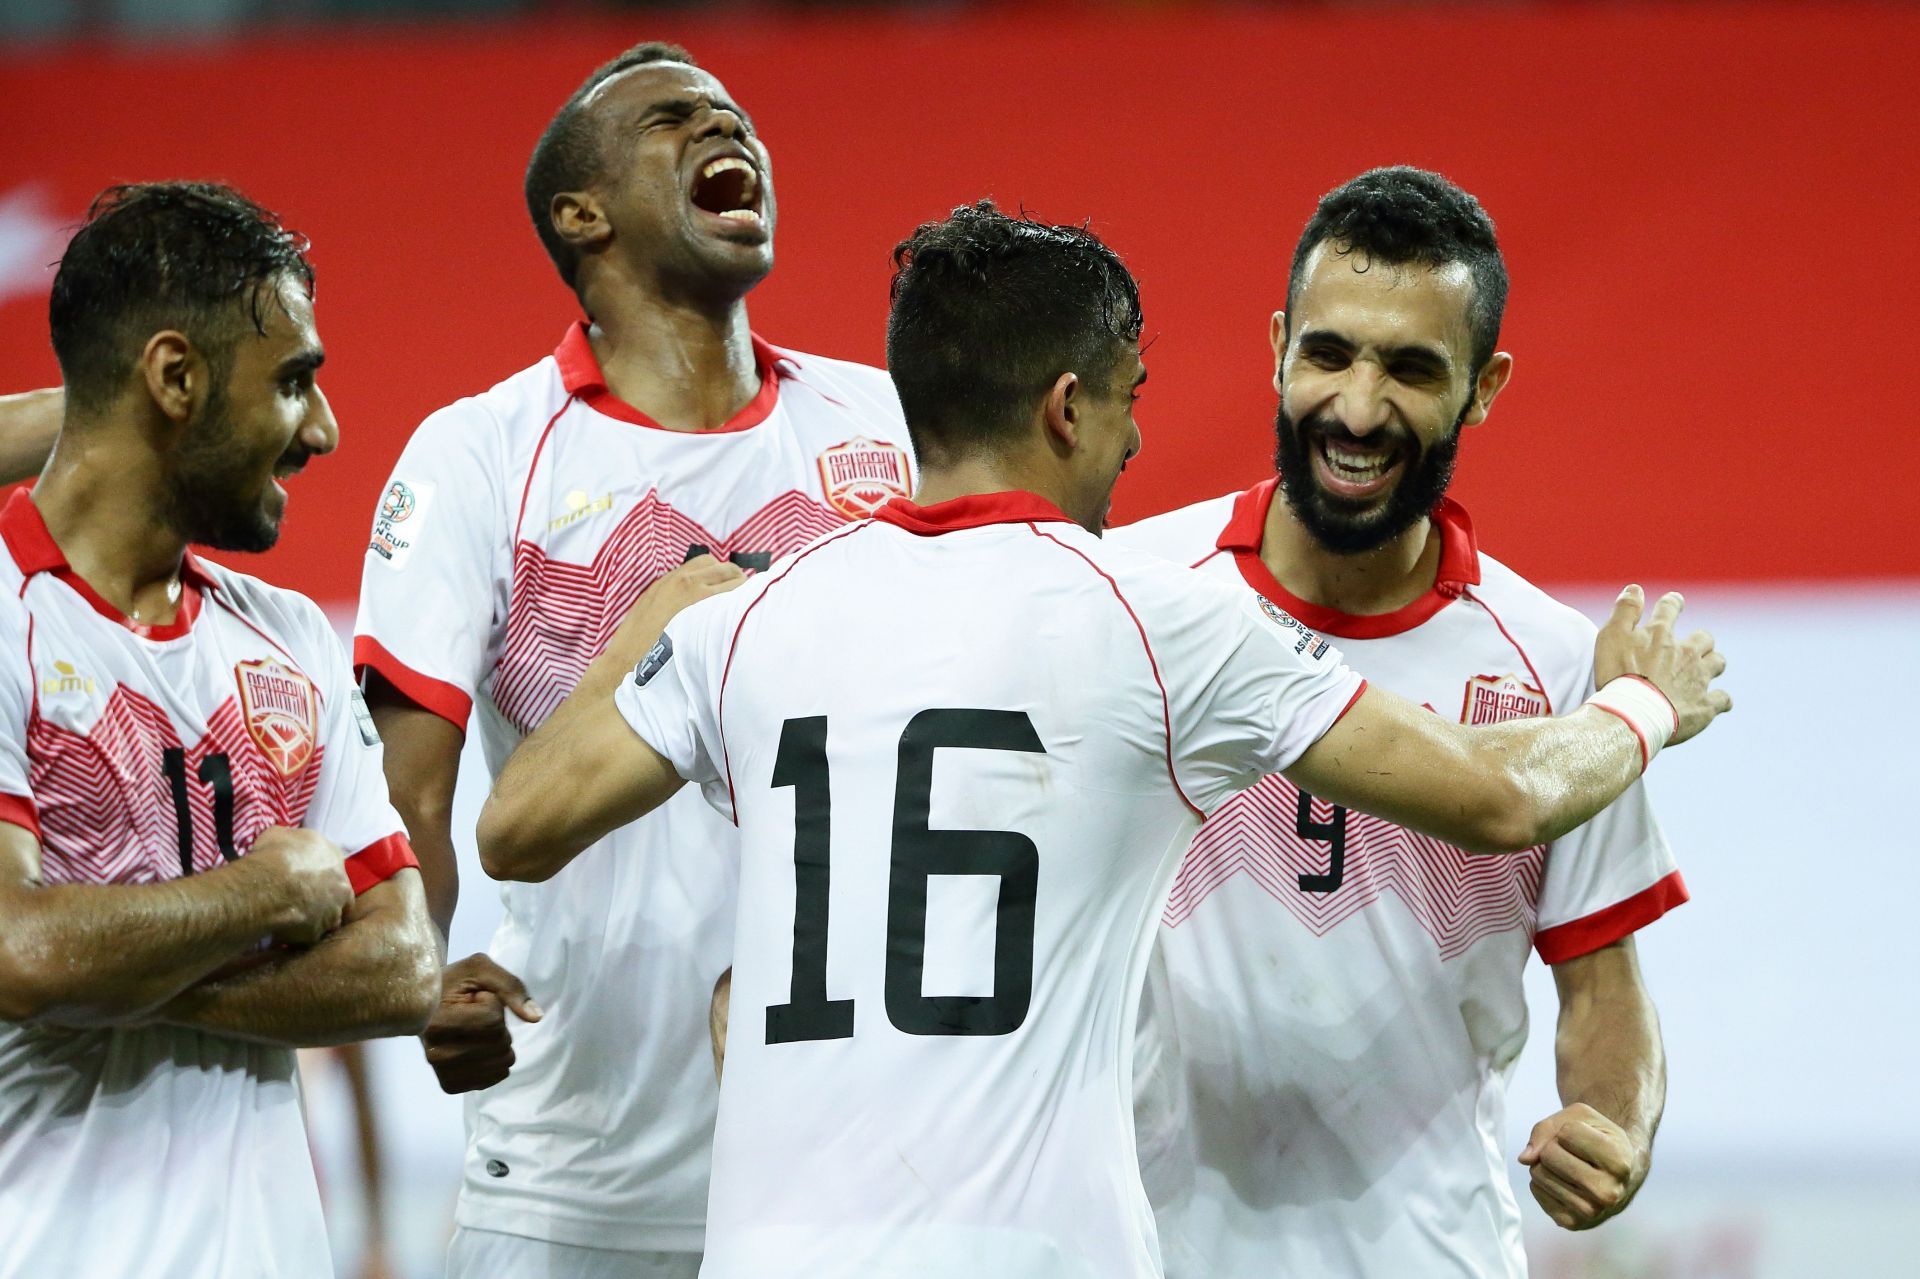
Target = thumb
(513,993)
(1536,1142)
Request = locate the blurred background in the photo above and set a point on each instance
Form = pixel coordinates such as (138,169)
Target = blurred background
(1716,284)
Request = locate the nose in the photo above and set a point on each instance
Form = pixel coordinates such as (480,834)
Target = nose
(320,433)
(1360,401)
(718,121)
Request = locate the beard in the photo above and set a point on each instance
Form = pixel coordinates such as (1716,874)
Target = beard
(215,499)
(1342,526)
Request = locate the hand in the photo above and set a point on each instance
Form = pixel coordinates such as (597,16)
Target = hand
(467,1040)
(1682,669)
(308,872)
(692,582)
(1585,1167)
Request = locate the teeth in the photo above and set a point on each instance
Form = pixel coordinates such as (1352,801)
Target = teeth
(742,215)
(1359,466)
(725,163)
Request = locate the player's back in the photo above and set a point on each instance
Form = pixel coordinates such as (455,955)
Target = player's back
(951,737)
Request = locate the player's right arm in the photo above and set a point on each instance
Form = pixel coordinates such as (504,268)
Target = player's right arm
(1506,787)
(105,954)
(29,422)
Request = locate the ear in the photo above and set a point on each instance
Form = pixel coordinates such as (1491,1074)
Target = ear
(1277,335)
(174,374)
(580,220)
(1061,410)
(1488,385)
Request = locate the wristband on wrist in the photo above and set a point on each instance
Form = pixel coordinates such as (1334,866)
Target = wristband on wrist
(1645,709)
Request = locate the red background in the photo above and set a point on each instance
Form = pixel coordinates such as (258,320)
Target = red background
(1709,214)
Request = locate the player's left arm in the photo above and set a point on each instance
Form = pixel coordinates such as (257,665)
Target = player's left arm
(29,422)
(585,772)
(377,974)
(1588,1160)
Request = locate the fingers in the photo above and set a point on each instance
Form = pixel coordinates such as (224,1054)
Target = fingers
(1720,700)
(1600,1145)
(1561,1215)
(1627,609)
(1666,611)
(480,975)
(1588,1189)
(467,1041)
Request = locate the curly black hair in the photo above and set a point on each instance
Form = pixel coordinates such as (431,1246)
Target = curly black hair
(193,256)
(570,155)
(988,310)
(1402,216)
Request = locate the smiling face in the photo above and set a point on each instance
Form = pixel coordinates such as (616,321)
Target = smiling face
(1376,381)
(256,428)
(688,188)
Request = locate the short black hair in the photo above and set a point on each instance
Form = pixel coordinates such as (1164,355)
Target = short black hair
(570,155)
(1403,216)
(192,256)
(988,311)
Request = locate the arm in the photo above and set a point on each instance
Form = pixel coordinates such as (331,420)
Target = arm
(1589,1160)
(105,954)
(377,974)
(717,1012)
(585,772)
(29,422)
(422,765)
(1506,787)
(374,1263)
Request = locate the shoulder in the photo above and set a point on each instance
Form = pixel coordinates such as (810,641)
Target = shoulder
(862,390)
(1185,536)
(284,616)
(512,412)
(1556,637)
(1159,591)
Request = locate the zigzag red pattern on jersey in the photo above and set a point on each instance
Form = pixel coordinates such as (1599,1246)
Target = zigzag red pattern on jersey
(561,614)
(106,803)
(1458,898)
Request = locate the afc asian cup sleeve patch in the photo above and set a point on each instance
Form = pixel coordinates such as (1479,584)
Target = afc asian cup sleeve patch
(1310,644)
(657,657)
(397,523)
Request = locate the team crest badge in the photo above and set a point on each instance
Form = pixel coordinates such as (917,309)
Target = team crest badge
(862,475)
(280,707)
(1492,699)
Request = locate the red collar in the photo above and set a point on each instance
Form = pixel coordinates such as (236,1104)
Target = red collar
(33,549)
(1459,569)
(976,510)
(581,375)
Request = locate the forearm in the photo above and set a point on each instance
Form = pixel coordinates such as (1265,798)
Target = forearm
(29,422)
(1553,775)
(377,975)
(1608,1054)
(87,954)
(423,770)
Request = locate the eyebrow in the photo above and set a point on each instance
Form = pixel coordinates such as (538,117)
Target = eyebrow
(306,361)
(1141,380)
(684,105)
(1416,351)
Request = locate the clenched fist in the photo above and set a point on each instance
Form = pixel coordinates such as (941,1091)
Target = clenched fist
(1585,1167)
(467,1040)
(307,874)
(1682,669)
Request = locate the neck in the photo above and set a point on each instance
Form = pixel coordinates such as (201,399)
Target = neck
(977,474)
(685,363)
(103,500)
(1377,581)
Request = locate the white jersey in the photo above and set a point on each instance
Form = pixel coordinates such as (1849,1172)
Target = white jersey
(966,745)
(1346,994)
(136,755)
(518,528)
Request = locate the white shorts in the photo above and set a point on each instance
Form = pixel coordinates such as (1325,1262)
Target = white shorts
(489,1254)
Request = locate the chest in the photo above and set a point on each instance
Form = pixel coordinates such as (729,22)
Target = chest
(150,760)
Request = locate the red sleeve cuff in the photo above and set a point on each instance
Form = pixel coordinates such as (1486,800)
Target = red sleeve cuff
(379,862)
(1589,933)
(448,701)
(19,810)
(1351,703)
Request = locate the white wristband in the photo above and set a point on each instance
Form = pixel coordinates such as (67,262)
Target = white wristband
(1645,709)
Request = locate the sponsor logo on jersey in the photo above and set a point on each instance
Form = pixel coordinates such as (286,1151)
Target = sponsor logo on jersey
(65,679)
(657,656)
(862,475)
(1310,643)
(579,507)
(404,504)
(279,705)
(1493,699)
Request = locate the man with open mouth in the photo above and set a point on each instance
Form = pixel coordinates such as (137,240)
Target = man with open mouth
(1346,994)
(661,440)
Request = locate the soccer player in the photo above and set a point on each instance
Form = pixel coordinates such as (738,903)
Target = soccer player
(199,869)
(518,527)
(1345,991)
(959,820)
